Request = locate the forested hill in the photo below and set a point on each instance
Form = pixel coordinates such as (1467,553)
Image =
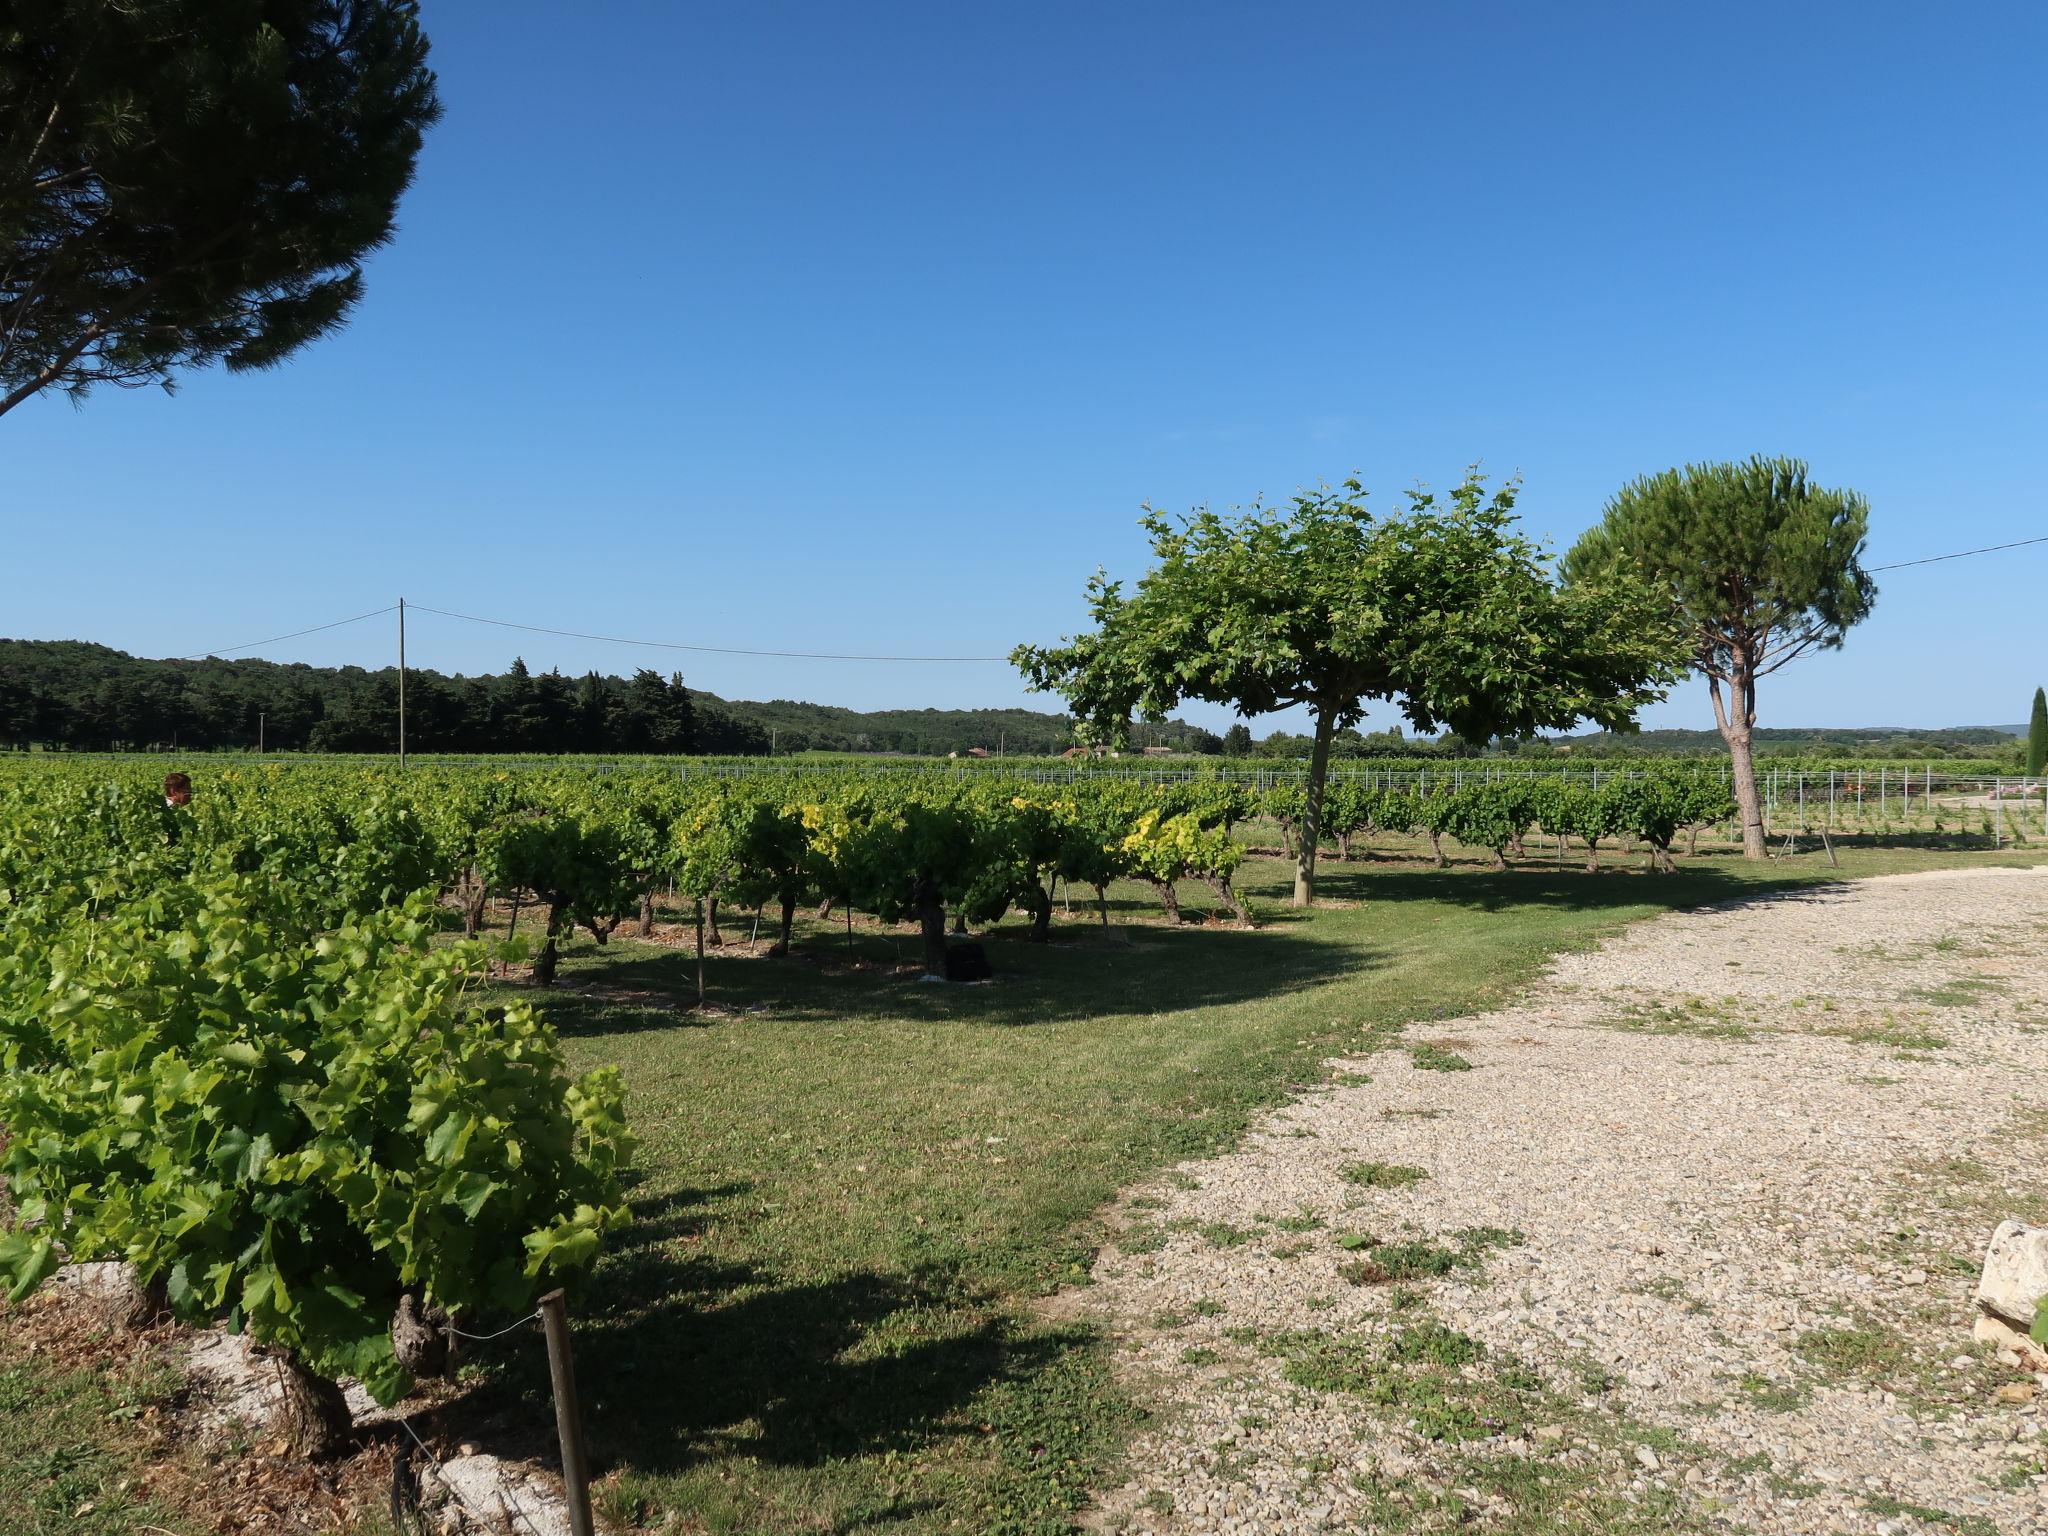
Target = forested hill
(70,693)
(1773,741)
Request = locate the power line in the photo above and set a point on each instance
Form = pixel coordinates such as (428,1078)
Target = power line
(254,644)
(1988,549)
(677,645)
(732,650)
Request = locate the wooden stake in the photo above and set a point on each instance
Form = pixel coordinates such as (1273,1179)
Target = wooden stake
(554,1320)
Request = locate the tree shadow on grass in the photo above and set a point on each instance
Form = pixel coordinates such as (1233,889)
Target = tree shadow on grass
(626,988)
(683,1362)
(1617,886)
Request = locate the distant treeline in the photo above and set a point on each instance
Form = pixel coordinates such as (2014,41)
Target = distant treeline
(71,694)
(1874,743)
(75,695)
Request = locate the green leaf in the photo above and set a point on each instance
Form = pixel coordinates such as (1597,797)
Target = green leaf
(27,1262)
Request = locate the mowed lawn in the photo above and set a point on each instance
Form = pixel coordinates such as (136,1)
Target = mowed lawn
(853,1185)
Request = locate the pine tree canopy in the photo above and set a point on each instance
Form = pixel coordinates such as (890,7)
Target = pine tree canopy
(185,182)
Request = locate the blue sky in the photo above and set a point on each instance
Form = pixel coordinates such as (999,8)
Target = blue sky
(837,328)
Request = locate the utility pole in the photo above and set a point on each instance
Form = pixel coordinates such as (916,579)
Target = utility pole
(260,718)
(401,685)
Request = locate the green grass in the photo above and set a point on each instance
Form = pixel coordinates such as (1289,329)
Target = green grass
(852,1186)
(70,1450)
(1373,1175)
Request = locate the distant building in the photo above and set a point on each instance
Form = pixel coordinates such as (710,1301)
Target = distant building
(977,751)
(1158,751)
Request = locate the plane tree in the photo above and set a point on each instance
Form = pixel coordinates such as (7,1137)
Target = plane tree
(1442,609)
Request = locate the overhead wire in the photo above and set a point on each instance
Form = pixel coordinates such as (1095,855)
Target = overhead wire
(274,639)
(677,645)
(733,650)
(1988,549)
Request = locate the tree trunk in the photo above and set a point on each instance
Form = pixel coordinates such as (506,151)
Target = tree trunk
(824,909)
(1436,847)
(1041,914)
(1312,818)
(1220,884)
(1344,846)
(312,1416)
(1592,855)
(1736,717)
(931,922)
(647,913)
(717,938)
(781,945)
(143,1303)
(1286,836)
(475,894)
(1500,858)
(1692,841)
(550,953)
(700,952)
(1102,905)
(1661,856)
(420,1336)
(1169,898)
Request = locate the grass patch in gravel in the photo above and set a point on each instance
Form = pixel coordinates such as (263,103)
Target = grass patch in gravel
(1699,1017)
(1864,1350)
(1967,1525)
(1772,1396)
(1962,992)
(1891,1033)
(1418,1258)
(1434,1058)
(1382,1175)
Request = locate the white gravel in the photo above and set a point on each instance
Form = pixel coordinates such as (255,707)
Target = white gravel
(1825,1103)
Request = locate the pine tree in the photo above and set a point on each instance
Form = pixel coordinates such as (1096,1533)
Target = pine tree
(2037,736)
(185,182)
(683,713)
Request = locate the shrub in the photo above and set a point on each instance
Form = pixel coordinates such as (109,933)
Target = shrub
(293,1130)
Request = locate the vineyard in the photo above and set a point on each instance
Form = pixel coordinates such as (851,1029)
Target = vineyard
(287,1049)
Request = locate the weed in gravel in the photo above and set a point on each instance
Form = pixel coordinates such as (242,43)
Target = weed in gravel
(1864,1349)
(1221,1234)
(1701,1017)
(1434,1058)
(1382,1175)
(1893,1035)
(1967,1525)
(1963,992)
(1774,1397)
(1302,1223)
(1413,1114)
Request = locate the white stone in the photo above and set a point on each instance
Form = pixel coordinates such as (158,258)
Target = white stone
(2015,1275)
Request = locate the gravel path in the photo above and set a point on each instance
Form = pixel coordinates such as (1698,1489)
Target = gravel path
(1690,1247)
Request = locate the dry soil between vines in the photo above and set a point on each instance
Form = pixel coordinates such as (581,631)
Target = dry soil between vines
(1711,1201)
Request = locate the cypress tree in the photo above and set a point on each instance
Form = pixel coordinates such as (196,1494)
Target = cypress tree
(2037,736)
